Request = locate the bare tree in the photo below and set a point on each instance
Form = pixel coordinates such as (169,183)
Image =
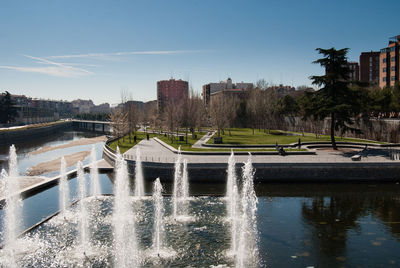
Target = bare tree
(171,114)
(191,113)
(133,114)
(222,111)
(119,122)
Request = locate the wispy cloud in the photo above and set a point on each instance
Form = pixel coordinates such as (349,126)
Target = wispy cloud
(126,53)
(61,69)
(53,68)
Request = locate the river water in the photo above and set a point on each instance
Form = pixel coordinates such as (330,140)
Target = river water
(299,225)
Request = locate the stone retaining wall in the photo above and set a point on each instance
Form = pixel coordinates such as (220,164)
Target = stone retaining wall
(21,135)
(273,172)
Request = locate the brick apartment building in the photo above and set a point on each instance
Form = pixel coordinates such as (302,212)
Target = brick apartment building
(369,67)
(171,91)
(389,63)
(354,74)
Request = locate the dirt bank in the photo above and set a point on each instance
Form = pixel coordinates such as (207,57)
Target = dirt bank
(84,141)
(54,165)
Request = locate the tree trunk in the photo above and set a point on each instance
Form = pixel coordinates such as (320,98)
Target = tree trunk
(334,147)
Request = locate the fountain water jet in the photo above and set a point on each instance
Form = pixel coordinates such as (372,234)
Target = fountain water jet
(232,203)
(63,187)
(180,197)
(125,245)
(185,181)
(94,174)
(83,231)
(177,184)
(247,253)
(159,227)
(230,184)
(13,209)
(139,184)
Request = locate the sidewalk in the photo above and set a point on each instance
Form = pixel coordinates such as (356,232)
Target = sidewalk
(152,151)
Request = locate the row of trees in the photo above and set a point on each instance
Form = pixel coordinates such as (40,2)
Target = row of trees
(345,104)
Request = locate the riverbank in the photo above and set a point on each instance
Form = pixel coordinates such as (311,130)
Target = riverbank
(84,141)
(376,165)
(54,165)
(21,135)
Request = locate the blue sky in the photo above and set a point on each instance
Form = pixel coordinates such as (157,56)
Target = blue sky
(96,49)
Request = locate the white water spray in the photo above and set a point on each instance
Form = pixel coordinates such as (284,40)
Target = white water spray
(139,183)
(94,174)
(63,187)
(247,253)
(158,236)
(83,230)
(13,209)
(230,184)
(177,184)
(125,245)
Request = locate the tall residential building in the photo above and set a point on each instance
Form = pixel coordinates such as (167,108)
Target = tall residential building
(389,63)
(212,88)
(369,67)
(171,91)
(354,71)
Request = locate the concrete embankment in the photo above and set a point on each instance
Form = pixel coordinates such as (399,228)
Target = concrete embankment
(8,137)
(42,183)
(301,168)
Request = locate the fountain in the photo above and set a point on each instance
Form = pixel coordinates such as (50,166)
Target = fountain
(159,227)
(231,182)
(125,245)
(121,231)
(94,174)
(247,253)
(139,184)
(177,184)
(232,206)
(185,182)
(13,210)
(158,249)
(180,197)
(63,187)
(83,231)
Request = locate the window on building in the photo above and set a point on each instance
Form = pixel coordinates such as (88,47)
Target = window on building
(384,60)
(393,78)
(384,79)
(393,58)
(384,69)
(393,68)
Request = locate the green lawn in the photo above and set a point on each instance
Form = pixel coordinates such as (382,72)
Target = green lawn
(238,136)
(245,136)
(125,144)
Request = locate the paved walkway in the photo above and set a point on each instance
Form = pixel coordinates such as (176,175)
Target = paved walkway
(203,139)
(152,151)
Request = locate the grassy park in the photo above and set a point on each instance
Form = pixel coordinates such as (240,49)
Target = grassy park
(126,143)
(241,136)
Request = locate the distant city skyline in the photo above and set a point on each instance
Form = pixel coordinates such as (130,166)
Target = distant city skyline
(67,50)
